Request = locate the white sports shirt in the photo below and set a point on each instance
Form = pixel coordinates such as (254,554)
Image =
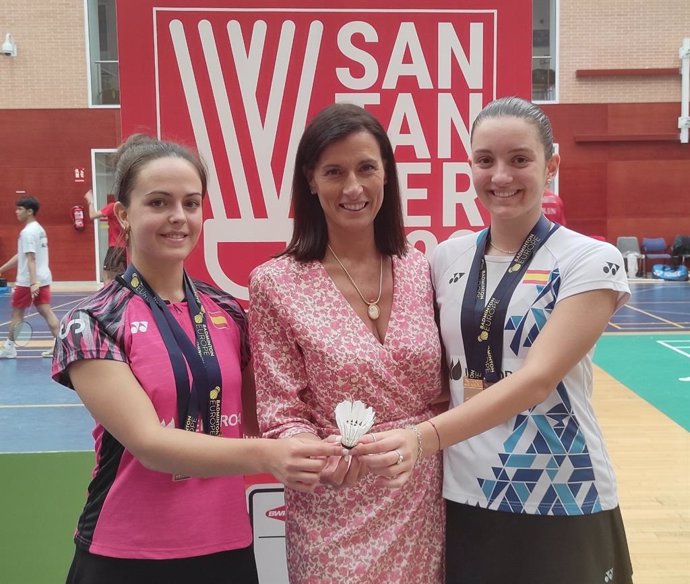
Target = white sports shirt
(33,239)
(550,460)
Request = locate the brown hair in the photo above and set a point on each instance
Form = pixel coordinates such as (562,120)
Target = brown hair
(516,107)
(137,151)
(310,232)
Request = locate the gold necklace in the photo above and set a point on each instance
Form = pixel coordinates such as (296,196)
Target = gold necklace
(505,251)
(373,310)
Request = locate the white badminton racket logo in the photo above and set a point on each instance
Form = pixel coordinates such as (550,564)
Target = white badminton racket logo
(249,62)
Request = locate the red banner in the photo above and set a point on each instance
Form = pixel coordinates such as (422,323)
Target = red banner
(239,83)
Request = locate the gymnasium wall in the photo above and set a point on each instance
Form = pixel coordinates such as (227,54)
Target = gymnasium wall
(623,169)
(623,172)
(39,151)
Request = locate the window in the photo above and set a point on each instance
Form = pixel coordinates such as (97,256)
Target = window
(104,72)
(104,66)
(544,43)
(103,171)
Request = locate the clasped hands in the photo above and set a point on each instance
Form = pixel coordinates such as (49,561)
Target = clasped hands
(390,455)
(304,461)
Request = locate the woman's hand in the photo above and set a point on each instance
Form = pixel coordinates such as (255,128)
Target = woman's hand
(391,455)
(298,462)
(342,470)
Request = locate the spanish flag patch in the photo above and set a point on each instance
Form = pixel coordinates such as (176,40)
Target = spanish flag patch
(218,319)
(536,277)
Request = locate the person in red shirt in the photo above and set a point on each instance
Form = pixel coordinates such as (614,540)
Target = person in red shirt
(116,257)
(553,207)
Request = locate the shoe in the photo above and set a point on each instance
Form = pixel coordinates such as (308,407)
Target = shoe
(48,354)
(8,352)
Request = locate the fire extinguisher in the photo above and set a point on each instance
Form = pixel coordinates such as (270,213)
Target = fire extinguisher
(78,217)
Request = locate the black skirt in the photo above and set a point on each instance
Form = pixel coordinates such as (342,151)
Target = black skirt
(231,567)
(115,260)
(496,547)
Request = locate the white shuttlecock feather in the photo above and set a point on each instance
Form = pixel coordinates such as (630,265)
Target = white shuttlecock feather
(354,420)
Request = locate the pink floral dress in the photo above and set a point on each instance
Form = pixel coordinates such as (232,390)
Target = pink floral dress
(310,352)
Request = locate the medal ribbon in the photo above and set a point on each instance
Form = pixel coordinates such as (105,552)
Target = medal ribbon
(203,399)
(483,342)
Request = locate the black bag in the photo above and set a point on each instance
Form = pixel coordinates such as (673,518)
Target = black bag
(680,248)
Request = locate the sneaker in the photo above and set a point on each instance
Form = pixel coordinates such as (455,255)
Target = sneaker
(48,354)
(8,352)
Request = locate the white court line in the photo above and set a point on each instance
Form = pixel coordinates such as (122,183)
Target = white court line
(30,314)
(682,343)
(669,345)
(30,406)
(654,316)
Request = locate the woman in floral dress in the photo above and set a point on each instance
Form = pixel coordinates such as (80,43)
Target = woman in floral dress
(347,312)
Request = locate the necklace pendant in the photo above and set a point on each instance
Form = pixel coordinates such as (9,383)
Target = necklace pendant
(374,311)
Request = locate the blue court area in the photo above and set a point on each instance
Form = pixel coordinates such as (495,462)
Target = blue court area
(37,414)
(655,306)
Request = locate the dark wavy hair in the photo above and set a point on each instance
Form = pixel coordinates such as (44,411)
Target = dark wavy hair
(29,203)
(137,151)
(310,232)
(516,107)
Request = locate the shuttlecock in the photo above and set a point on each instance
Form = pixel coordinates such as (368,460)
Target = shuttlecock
(354,420)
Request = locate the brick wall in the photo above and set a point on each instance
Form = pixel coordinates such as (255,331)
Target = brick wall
(50,69)
(619,34)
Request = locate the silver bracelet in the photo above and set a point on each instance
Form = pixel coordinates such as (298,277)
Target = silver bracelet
(418,435)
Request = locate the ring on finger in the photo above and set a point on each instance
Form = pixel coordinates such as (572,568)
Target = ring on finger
(400,457)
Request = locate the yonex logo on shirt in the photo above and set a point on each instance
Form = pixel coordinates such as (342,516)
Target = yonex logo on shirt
(139,326)
(611,267)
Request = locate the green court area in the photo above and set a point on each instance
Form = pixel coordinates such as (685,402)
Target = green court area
(42,496)
(653,366)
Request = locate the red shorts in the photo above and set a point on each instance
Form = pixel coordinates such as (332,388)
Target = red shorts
(21,296)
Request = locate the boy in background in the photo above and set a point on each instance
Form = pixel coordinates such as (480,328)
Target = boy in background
(33,281)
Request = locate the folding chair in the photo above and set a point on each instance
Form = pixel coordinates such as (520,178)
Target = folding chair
(654,248)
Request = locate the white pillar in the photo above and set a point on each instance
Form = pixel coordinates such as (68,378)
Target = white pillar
(684,119)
